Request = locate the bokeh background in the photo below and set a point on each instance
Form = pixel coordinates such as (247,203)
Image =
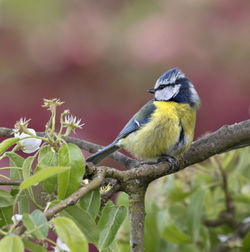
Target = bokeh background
(100,57)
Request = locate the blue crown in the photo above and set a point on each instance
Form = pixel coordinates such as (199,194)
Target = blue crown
(171,76)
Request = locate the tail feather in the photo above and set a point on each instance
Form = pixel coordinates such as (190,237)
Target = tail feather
(101,154)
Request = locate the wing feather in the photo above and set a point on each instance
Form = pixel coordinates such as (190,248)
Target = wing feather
(138,120)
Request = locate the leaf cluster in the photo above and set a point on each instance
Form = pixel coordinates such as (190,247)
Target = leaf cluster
(49,177)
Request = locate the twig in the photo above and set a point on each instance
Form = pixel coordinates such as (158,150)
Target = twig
(10,182)
(6,132)
(71,200)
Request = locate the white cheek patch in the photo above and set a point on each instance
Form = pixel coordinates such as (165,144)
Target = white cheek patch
(167,93)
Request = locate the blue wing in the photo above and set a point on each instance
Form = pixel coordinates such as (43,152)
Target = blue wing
(137,121)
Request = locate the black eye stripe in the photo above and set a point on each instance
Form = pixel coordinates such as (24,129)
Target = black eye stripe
(178,81)
(162,86)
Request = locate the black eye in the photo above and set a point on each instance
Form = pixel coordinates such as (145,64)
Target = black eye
(161,87)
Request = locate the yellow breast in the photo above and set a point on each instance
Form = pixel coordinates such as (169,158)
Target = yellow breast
(162,133)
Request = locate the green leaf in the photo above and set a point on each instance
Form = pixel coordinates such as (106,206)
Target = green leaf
(70,181)
(26,169)
(243,198)
(69,233)
(6,199)
(174,235)
(42,175)
(37,223)
(91,202)
(23,203)
(11,244)
(7,143)
(34,247)
(190,248)
(5,215)
(113,247)
(122,199)
(17,161)
(63,178)
(178,194)
(77,168)
(27,165)
(194,212)
(84,221)
(246,242)
(109,223)
(47,158)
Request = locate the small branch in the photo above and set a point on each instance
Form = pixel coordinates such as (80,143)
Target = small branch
(10,182)
(6,132)
(230,208)
(226,217)
(71,200)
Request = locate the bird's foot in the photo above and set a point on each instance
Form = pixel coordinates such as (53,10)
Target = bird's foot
(164,158)
(172,160)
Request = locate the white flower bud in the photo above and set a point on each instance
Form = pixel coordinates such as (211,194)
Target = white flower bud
(16,218)
(60,245)
(29,145)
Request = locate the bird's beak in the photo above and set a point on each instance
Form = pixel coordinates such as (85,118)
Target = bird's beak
(151,90)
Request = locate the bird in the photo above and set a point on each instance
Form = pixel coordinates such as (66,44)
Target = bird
(164,126)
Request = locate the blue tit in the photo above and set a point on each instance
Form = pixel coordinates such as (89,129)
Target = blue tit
(164,126)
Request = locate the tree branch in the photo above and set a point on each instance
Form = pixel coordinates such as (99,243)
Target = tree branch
(224,139)
(136,191)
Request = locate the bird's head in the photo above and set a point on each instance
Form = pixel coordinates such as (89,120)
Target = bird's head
(175,86)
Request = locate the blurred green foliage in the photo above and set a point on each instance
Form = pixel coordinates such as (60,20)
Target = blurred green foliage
(180,208)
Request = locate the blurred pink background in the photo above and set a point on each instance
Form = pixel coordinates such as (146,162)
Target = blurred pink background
(100,57)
